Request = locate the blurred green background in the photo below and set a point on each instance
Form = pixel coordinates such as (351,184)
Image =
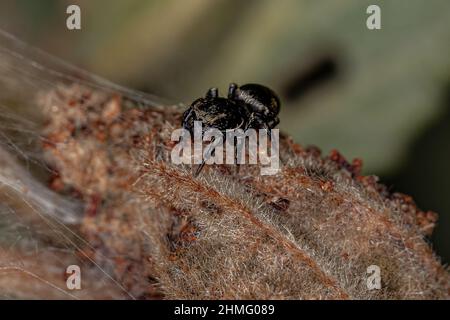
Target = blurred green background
(381,95)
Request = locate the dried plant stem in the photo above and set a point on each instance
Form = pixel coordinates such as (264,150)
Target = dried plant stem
(309,232)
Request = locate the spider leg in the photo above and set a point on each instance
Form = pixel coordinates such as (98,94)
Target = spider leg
(250,122)
(274,123)
(239,146)
(256,122)
(238,166)
(232,90)
(212,93)
(208,154)
(199,168)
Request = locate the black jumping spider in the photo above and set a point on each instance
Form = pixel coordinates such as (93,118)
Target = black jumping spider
(249,106)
